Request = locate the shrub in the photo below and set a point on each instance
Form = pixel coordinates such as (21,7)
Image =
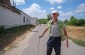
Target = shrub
(75,22)
(2,29)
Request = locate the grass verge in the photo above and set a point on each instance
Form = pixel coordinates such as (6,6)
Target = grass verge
(78,42)
(7,36)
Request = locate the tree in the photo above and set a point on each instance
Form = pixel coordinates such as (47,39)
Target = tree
(48,17)
(81,22)
(73,21)
(76,22)
(65,21)
(72,17)
(42,21)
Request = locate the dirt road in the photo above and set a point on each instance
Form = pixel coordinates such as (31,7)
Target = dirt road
(29,45)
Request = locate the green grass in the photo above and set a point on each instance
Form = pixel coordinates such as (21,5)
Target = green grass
(9,35)
(78,42)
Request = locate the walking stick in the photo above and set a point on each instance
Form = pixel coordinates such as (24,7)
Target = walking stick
(38,46)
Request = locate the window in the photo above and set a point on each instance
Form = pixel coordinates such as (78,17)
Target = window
(27,19)
(24,19)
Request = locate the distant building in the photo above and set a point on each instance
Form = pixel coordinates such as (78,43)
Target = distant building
(33,20)
(10,16)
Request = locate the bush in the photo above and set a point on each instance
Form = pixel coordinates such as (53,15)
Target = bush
(42,21)
(75,22)
(2,29)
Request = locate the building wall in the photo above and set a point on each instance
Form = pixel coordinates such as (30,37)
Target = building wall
(33,20)
(25,19)
(9,18)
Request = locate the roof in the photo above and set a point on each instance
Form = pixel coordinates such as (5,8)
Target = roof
(12,8)
(24,13)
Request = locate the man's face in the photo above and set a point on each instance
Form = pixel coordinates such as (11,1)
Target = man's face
(55,15)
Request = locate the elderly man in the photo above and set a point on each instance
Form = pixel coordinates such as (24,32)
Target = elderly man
(56,29)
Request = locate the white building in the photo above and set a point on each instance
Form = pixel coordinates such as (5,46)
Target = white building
(11,16)
(33,20)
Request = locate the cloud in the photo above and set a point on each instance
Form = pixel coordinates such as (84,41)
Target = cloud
(52,8)
(78,12)
(80,8)
(70,13)
(55,1)
(65,15)
(18,2)
(35,11)
(59,7)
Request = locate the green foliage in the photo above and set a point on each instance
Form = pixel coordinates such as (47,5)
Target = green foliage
(45,20)
(81,22)
(78,42)
(75,22)
(42,21)
(14,31)
(48,17)
(10,34)
(65,21)
(2,29)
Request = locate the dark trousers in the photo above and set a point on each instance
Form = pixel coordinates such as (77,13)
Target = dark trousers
(54,42)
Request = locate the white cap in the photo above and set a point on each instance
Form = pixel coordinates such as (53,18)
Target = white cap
(54,11)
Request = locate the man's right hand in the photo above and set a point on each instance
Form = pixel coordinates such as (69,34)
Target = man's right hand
(40,36)
(43,32)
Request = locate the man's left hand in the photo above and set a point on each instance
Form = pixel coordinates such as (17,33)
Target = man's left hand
(67,44)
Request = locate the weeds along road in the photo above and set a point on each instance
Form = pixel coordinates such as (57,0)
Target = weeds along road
(29,45)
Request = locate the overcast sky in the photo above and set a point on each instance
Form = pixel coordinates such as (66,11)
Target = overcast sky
(40,8)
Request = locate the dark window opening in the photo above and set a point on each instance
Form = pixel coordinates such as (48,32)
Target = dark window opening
(24,19)
(27,19)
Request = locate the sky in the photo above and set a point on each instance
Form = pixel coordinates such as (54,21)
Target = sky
(41,8)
